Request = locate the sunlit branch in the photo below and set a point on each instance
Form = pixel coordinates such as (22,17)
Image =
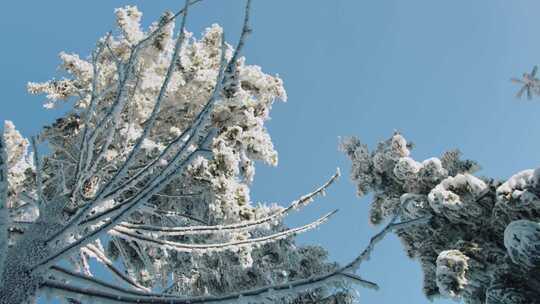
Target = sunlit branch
(157,106)
(151,241)
(193,129)
(276,290)
(247,225)
(190,133)
(91,107)
(117,213)
(104,149)
(154,210)
(114,109)
(153,187)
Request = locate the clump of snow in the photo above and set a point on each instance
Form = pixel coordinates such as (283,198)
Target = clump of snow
(455,197)
(522,241)
(452,267)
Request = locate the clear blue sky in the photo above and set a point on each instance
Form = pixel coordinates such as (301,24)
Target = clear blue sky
(438,71)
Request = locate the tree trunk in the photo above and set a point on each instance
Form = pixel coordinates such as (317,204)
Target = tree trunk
(19,282)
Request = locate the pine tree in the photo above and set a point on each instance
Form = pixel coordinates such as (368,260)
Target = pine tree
(481,243)
(149,175)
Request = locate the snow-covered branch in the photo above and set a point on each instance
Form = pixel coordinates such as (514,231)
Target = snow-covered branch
(460,220)
(238,227)
(277,290)
(37,164)
(103,259)
(64,274)
(202,248)
(4,211)
(112,115)
(157,105)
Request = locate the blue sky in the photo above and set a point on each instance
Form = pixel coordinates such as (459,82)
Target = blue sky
(438,71)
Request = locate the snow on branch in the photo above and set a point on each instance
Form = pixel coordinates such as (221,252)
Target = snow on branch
(114,215)
(225,75)
(92,106)
(37,164)
(237,227)
(159,212)
(61,273)
(392,225)
(157,106)
(342,273)
(271,291)
(157,183)
(262,293)
(118,104)
(4,216)
(129,234)
(99,255)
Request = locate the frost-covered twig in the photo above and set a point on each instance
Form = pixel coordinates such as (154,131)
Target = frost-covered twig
(159,212)
(358,280)
(37,164)
(157,106)
(112,130)
(242,226)
(141,197)
(272,290)
(290,287)
(153,241)
(160,27)
(392,225)
(101,257)
(115,215)
(59,272)
(91,107)
(192,130)
(171,170)
(117,105)
(4,216)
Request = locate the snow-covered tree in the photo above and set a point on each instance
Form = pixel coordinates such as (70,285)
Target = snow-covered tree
(149,175)
(482,242)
